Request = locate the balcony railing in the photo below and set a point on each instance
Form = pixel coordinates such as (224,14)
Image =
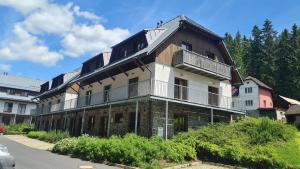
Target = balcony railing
(200,64)
(142,88)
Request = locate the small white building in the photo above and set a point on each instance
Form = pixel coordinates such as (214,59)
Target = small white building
(16,93)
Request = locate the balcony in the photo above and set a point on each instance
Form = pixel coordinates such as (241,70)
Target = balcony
(159,89)
(196,63)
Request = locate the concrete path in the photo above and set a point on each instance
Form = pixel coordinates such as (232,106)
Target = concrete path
(31,158)
(205,166)
(33,143)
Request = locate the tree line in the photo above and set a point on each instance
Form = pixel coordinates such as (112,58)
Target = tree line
(272,57)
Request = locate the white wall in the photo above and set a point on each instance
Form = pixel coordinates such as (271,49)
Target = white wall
(197,85)
(29,106)
(249,96)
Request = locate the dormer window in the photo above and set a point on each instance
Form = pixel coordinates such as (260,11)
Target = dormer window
(210,55)
(186,46)
(124,53)
(140,46)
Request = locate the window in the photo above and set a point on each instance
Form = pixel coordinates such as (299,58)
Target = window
(210,55)
(186,46)
(21,108)
(88,97)
(11,91)
(50,105)
(24,93)
(213,96)
(249,102)
(248,90)
(106,93)
(181,89)
(133,87)
(140,46)
(8,107)
(124,52)
(265,103)
(119,118)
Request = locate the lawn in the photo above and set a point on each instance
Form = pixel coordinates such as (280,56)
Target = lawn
(288,152)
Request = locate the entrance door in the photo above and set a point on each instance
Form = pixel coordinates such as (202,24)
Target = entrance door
(180,123)
(131,125)
(103,126)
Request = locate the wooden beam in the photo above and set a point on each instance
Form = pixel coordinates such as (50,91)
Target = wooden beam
(99,82)
(139,65)
(110,76)
(90,85)
(74,89)
(120,68)
(81,87)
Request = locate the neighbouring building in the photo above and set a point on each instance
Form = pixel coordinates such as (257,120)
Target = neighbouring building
(55,95)
(293,115)
(257,98)
(160,81)
(282,104)
(16,93)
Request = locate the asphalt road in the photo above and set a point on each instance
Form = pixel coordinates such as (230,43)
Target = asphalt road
(29,158)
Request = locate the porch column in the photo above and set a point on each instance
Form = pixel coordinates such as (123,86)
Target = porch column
(108,123)
(40,125)
(136,117)
(51,122)
(231,118)
(65,120)
(15,118)
(82,121)
(212,116)
(166,125)
(30,119)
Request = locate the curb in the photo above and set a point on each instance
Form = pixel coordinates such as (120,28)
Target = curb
(185,165)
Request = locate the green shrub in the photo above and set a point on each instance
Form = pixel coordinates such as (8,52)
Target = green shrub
(248,142)
(22,128)
(51,136)
(130,150)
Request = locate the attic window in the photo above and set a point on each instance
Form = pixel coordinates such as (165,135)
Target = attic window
(140,46)
(210,55)
(124,52)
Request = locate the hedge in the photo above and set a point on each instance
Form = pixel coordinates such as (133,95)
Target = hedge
(51,136)
(253,143)
(22,128)
(129,150)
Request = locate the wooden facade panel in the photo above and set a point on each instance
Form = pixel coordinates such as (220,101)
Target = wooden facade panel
(200,44)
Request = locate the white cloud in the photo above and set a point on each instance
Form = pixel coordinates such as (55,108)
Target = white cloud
(24,6)
(5,67)
(84,38)
(43,17)
(85,14)
(27,47)
(50,18)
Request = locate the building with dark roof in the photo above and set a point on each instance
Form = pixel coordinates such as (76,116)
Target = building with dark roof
(159,81)
(16,94)
(257,98)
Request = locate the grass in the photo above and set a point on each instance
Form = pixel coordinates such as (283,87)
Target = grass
(290,152)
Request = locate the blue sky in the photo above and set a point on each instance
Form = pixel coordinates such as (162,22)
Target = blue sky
(43,38)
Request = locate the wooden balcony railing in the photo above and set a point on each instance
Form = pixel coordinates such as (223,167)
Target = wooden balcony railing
(200,64)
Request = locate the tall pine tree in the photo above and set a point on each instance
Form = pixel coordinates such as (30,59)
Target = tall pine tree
(254,61)
(267,64)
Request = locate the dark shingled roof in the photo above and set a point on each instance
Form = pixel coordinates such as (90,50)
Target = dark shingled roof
(258,82)
(293,110)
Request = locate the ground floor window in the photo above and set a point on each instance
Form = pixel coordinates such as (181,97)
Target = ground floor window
(21,108)
(180,123)
(8,107)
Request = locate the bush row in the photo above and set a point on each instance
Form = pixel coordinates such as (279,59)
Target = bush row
(51,136)
(249,142)
(130,150)
(18,128)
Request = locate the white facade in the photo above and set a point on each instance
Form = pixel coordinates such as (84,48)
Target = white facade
(28,108)
(251,97)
